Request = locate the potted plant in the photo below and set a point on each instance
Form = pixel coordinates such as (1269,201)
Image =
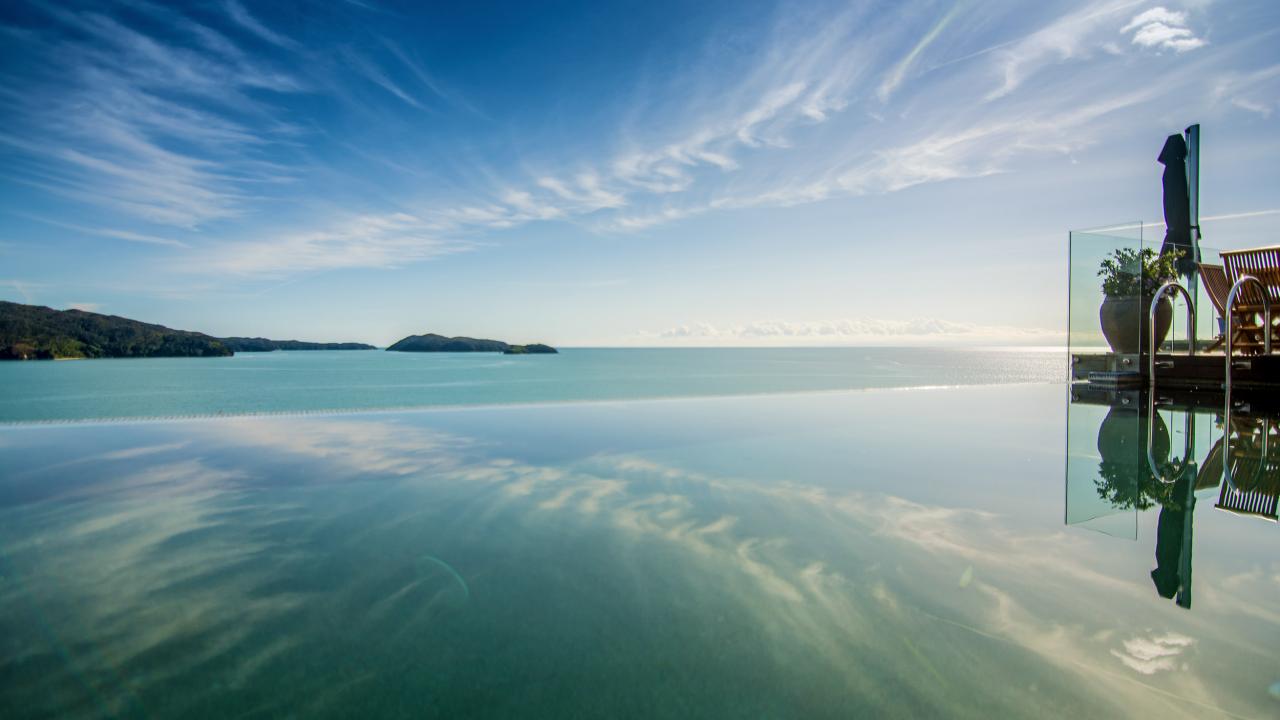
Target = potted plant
(1130,278)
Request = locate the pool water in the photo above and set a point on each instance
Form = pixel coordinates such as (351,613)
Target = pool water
(885,553)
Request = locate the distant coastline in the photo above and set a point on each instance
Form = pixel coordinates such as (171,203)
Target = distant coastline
(34,332)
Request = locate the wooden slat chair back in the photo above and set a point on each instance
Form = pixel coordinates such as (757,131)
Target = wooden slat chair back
(1263,264)
(1216,285)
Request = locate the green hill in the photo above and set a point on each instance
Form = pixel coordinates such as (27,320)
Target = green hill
(31,332)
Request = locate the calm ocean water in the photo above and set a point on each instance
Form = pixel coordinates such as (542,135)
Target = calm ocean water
(253,383)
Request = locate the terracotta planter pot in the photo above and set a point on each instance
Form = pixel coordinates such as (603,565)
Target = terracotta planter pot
(1124,322)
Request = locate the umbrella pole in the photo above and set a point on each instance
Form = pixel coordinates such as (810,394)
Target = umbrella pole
(1193,290)
(1193,205)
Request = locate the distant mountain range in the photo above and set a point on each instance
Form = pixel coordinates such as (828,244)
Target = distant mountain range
(439,343)
(32,332)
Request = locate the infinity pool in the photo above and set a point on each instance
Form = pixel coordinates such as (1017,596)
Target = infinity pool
(850,554)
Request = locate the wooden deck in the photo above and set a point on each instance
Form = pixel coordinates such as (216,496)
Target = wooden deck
(1203,373)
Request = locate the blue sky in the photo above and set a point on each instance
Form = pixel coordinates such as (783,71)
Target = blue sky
(634,173)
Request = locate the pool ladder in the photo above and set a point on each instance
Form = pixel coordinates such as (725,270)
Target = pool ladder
(1191,328)
(1229,364)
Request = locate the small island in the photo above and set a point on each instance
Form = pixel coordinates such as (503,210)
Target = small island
(33,332)
(431,342)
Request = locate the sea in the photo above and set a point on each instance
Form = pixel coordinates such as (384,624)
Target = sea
(325,381)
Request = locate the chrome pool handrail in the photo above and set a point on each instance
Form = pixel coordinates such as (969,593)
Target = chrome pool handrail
(1151,328)
(1266,327)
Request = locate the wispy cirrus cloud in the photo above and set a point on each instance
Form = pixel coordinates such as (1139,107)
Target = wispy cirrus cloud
(376,241)
(376,75)
(785,135)
(192,125)
(1073,35)
(117,234)
(247,21)
(1255,92)
(898,72)
(149,127)
(24,288)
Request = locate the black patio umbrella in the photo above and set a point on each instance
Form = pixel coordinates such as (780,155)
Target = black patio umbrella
(1177,203)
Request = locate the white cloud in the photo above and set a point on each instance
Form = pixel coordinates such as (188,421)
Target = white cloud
(850,330)
(84,306)
(1155,15)
(1162,28)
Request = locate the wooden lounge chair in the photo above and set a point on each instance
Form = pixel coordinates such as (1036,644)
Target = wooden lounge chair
(1263,264)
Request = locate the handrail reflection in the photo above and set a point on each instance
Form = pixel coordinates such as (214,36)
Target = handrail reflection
(1188,446)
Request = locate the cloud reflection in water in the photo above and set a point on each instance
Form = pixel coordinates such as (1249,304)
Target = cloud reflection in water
(378,563)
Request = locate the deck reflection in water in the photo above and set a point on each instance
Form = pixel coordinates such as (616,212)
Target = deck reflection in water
(1233,460)
(880,553)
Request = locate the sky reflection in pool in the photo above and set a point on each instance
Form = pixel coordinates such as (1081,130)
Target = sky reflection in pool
(897,553)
